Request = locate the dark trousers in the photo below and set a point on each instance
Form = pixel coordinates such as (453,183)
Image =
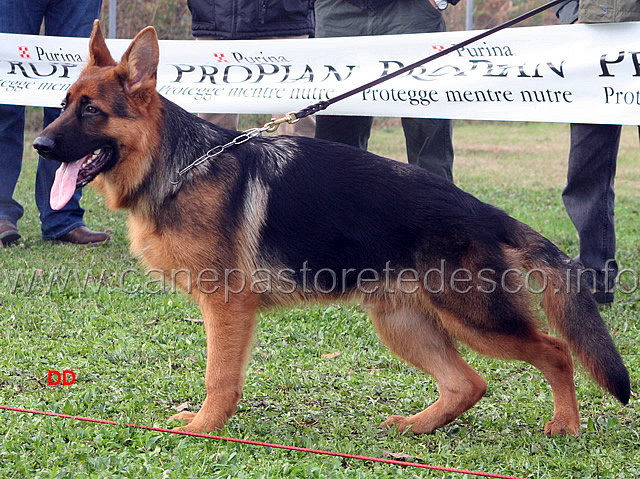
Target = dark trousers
(429,142)
(589,200)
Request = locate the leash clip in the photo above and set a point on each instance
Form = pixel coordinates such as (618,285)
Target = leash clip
(272,126)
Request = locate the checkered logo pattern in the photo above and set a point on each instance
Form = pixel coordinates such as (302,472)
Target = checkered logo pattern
(24,52)
(220,58)
(438,48)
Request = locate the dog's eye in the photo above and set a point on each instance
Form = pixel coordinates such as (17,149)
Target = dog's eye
(63,105)
(91,109)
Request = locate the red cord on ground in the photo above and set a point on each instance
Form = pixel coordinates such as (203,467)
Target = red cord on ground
(263,444)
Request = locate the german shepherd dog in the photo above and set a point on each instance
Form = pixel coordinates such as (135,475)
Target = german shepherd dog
(280,220)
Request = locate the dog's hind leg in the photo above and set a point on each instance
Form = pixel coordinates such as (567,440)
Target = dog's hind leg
(550,356)
(229,327)
(417,338)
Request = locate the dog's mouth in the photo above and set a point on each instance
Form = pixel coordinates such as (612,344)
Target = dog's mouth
(76,174)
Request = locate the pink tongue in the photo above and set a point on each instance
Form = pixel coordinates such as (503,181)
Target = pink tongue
(64,184)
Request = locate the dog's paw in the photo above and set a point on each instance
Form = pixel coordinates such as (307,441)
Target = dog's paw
(399,422)
(186,416)
(557,427)
(197,422)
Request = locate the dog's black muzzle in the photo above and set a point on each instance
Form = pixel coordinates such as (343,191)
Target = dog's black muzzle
(44,145)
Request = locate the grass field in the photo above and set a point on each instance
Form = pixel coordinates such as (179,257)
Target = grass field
(319,377)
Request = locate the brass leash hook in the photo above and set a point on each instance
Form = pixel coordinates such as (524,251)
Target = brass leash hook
(272,126)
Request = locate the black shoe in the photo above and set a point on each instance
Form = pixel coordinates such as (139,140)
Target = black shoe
(8,233)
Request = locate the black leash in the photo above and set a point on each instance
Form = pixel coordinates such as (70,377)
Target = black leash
(293,117)
(322,105)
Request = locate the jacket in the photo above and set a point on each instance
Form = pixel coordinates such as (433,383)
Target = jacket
(250,19)
(598,11)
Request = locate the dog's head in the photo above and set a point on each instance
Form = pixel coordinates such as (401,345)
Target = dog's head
(99,128)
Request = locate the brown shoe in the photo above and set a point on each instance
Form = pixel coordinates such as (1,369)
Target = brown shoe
(83,235)
(8,233)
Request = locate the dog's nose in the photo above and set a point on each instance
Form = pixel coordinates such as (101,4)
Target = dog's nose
(44,145)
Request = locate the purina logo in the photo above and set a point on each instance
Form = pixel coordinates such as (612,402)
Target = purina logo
(438,48)
(59,56)
(42,54)
(220,58)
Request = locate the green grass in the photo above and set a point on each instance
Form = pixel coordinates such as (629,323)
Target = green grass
(137,358)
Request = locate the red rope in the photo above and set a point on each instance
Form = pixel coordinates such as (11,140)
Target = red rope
(263,444)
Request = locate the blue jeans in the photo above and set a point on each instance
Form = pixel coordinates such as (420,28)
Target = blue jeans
(61,18)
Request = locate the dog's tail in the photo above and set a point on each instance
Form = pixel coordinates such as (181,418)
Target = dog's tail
(568,302)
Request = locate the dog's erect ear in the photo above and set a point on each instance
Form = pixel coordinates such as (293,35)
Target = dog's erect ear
(99,54)
(139,64)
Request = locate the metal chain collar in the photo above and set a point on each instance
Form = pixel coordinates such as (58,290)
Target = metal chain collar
(269,127)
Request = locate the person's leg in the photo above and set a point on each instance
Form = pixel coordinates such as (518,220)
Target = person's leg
(304,127)
(589,200)
(408,16)
(430,145)
(350,130)
(337,18)
(72,19)
(429,142)
(11,146)
(15,17)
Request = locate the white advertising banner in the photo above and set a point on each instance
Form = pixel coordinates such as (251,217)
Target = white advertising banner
(572,73)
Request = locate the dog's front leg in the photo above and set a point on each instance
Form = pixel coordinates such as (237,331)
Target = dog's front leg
(229,326)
